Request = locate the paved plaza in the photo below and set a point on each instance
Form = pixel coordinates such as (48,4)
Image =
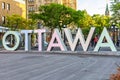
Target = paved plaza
(25,66)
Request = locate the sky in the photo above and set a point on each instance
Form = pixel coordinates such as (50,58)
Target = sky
(92,6)
(22,1)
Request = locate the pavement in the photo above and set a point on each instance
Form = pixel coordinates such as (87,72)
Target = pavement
(56,67)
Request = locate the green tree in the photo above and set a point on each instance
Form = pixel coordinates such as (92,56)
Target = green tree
(15,22)
(100,21)
(56,16)
(86,21)
(115,8)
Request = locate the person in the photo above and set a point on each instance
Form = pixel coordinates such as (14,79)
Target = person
(95,40)
(117,43)
(92,42)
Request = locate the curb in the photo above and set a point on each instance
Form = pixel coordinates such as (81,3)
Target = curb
(89,53)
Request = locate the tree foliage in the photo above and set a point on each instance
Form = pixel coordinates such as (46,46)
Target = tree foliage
(15,22)
(101,20)
(86,21)
(115,8)
(56,16)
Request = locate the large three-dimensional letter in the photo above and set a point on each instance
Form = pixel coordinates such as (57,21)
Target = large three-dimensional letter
(109,42)
(27,39)
(56,36)
(79,36)
(7,41)
(40,38)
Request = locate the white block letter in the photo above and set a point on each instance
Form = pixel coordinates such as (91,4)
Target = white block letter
(40,32)
(56,36)
(27,39)
(79,36)
(109,42)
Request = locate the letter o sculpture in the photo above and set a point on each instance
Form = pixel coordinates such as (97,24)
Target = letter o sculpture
(17,37)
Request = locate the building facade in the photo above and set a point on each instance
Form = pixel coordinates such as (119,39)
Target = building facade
(107,13)
(9,7)
(33,5)
(70,3)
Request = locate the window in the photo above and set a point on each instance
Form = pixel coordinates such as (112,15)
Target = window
(8,6)
(30,0)
(3,19)
(3,5)
(31,8)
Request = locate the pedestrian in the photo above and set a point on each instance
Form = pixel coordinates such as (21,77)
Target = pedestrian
(95,40)
(92,42)
(117,43)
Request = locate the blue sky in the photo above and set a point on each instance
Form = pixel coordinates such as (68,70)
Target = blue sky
(92,6)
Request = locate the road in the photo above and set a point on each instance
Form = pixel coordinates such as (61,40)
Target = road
(56,67)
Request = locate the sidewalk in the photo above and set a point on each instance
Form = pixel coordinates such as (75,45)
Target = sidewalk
(56,67)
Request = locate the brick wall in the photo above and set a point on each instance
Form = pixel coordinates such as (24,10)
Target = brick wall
(15,8)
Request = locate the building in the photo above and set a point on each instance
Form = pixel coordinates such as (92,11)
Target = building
(107,13)
(9,7)
(33,5)
(70,3)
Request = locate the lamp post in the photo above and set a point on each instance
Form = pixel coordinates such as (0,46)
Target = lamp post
(39,25)
(64,26)
(114,30)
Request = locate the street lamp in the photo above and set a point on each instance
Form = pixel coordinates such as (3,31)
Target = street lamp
(114,31)
(64,26)
(39,25)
